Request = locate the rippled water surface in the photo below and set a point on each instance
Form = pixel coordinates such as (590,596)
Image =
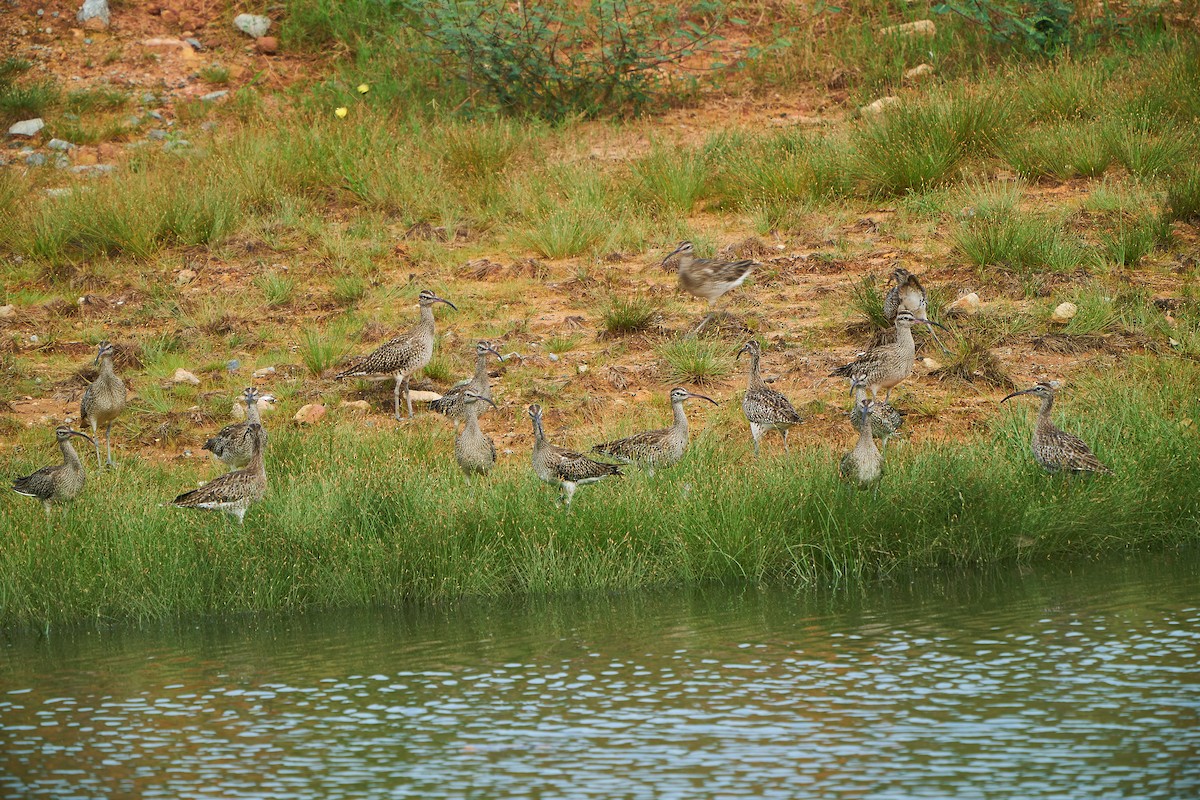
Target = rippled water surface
(1079,682)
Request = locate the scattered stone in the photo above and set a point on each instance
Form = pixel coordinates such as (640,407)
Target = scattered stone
(253,25)
(356,406)
(208,126)
(424,397)
(94,15)
(184,277)
(267,45)
(183,376)
(919,72)
(880,105)
(26,127)
(264,372)
(195,44)
(157,115)
(930,364)
(968,304)
(582,369)
(156,134)
(61,162)
(8,311)
(36,159)
(1064,313)
(309,414)
(59,144)
(921,27)
(178,144)
(94,170)
(232,365)
(211,96)
(553,357)
(58,192)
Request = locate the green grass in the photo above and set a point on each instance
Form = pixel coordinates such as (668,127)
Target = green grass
(85,101)
(347,290)
(628,315)
(320,350)
(671,179)
(697,361)
(347,520)
(1182,202)
(216,74)
(278,290)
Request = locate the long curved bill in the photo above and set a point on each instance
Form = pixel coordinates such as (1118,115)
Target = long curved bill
(447,302)
(933,333)
(703,397)
(1016,394)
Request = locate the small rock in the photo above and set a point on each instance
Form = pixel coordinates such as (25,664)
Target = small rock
(26,127)
(267,45)
(930,364)
(158,116)
(967,304)
(157,134)
(233,365)
(195,44)
(424,397)
(880,105)
(355,406)
(184,277)
(921,27)
(553,357)
(1064,313)
(208,126)
(211,96)
(582,369)
(34,339)
(96,10)
(183,376)
(264,372)
(178,144)
(36,159)
(252,25)
(919,72)
(8,311)
(238,411)
(59,144)
(58,192)
(309,414)
(93,169)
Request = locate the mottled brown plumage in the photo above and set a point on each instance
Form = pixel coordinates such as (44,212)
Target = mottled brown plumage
(907,294)
(1054,449)
(863,466)
(766,409)
(451,403)
(885,418)
(708,278)
(885,366)
(234,492)
(234,444)
(58,483)
(103,400)
(663,447)
(400,358)
(473,449)
(561,467)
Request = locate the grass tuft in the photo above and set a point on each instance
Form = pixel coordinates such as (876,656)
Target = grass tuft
(697,361)
(278,290)
(629,315)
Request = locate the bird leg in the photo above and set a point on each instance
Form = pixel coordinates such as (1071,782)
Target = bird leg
(396,396)
(108,442)
(754,434)
(568,493)
(408,397)
(785,444)
(46,505)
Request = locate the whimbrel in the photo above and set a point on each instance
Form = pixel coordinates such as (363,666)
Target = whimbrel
(103,400)
(658,448)
(887,365)
(1053,448)
(233,444)
(564,468)
(451,404)
(863,465)
(908,294)
(473,449)
(765,409)
(401,357)
(234,492)
(58,483)
(707,277)
(885,418)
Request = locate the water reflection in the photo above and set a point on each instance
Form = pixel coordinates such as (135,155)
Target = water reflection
(1072,683)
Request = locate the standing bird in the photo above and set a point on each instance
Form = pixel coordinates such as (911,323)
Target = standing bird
(1055,449)
(765,409)
(473,449)
(233,444)
(885,418)
(658,448)
(234,492)
(451,403)
(707,277)
(59,483)
(887,365)
(400,358)
(103,400)
(564,468)
(909,295)
(864,464)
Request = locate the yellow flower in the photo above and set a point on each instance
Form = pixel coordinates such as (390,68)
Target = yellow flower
(341,112)
(363,88)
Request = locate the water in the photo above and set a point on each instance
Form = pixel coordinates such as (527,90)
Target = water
(1075,682)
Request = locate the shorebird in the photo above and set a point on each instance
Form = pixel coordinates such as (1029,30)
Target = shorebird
(58,483)
(908,294)
(451,403)
(658,448)
(473,449)
(885,366)
(885,419)
(400,358)
(864,464)
(233,444)
(103,400)
(707,277)
(564,468)
(1053,448)
(234,492)
(765,409)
